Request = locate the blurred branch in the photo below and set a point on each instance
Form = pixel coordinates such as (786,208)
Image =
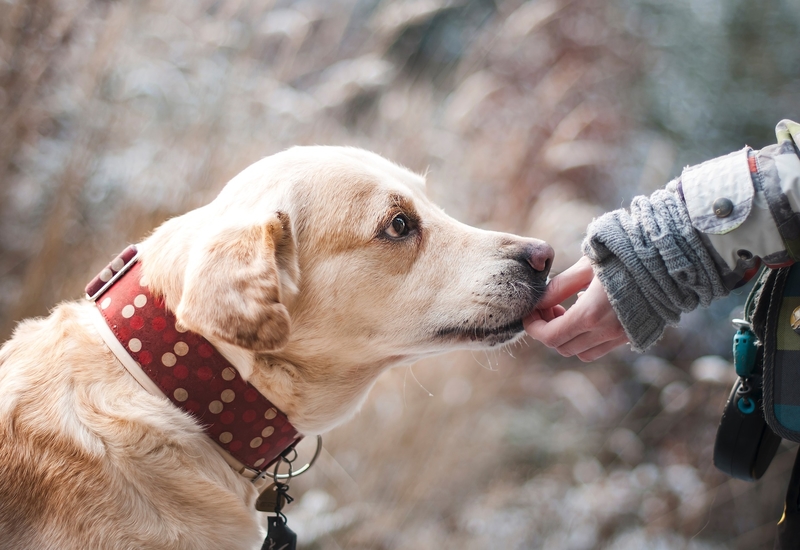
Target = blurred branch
(31,34)
(92,132)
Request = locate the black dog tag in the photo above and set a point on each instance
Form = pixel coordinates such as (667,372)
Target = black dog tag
(279,536)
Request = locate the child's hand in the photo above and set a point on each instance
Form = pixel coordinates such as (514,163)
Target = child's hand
(588,329)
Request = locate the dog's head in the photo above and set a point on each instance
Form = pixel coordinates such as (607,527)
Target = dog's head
(325,265)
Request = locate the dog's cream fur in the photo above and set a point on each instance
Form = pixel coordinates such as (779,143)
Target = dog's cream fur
(297,274)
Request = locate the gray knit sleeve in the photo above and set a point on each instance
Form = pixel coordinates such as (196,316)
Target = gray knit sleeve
(653,265)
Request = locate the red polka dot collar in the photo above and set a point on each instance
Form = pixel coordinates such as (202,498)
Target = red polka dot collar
(186,369)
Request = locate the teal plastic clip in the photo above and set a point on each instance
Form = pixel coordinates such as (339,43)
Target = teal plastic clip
(744,349)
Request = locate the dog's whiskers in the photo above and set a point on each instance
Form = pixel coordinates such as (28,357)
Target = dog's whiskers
(481,364)
(418,382)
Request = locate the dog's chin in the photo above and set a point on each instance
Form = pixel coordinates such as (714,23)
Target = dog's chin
(481,335)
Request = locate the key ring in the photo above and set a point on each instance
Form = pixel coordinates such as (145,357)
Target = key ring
(741,323)
(276,476)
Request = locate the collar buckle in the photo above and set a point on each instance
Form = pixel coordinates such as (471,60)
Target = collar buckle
(111,273)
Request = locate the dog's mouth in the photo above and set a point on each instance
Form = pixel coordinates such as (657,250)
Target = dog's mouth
(490,336)
(507,324)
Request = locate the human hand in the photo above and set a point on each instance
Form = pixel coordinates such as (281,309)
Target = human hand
(588,329)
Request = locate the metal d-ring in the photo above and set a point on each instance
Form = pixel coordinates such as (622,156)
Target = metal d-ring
(305,468)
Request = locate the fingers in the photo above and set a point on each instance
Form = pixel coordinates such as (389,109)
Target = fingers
(599,351)
(567,283)
(592,339)
(587,345)
(548,314)
(591,313)
(548,331)
(589,329)
(558,331)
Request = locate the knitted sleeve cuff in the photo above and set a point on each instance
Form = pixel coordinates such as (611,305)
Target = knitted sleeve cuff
(643,326)
(652,264)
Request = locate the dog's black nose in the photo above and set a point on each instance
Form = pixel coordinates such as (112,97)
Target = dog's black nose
(539,256)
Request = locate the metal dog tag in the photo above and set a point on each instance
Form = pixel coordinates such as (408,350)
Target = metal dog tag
(271,499)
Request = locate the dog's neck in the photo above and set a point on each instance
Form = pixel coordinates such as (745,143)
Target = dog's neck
(171,361)
(169,285)
(319,396)
(240,358)
(169,245)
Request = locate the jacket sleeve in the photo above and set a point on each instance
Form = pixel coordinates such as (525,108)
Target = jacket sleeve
(702,236)
(745,204)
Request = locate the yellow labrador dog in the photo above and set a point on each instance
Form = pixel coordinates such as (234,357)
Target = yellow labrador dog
(314,271)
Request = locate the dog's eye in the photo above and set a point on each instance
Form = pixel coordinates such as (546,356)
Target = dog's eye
(399,227)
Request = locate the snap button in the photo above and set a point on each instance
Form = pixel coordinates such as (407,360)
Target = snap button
(723,207)
(794,320)
(744,254)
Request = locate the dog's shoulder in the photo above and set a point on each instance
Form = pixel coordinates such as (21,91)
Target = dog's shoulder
(42,441)
(81,443)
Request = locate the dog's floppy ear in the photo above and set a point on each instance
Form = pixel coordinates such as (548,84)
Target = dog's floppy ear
(232,286)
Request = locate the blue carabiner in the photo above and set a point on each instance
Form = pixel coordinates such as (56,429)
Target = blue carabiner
(744,349)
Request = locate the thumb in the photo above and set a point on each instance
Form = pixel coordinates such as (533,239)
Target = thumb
(570,281)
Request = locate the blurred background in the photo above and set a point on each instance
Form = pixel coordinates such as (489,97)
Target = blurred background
(530,117)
